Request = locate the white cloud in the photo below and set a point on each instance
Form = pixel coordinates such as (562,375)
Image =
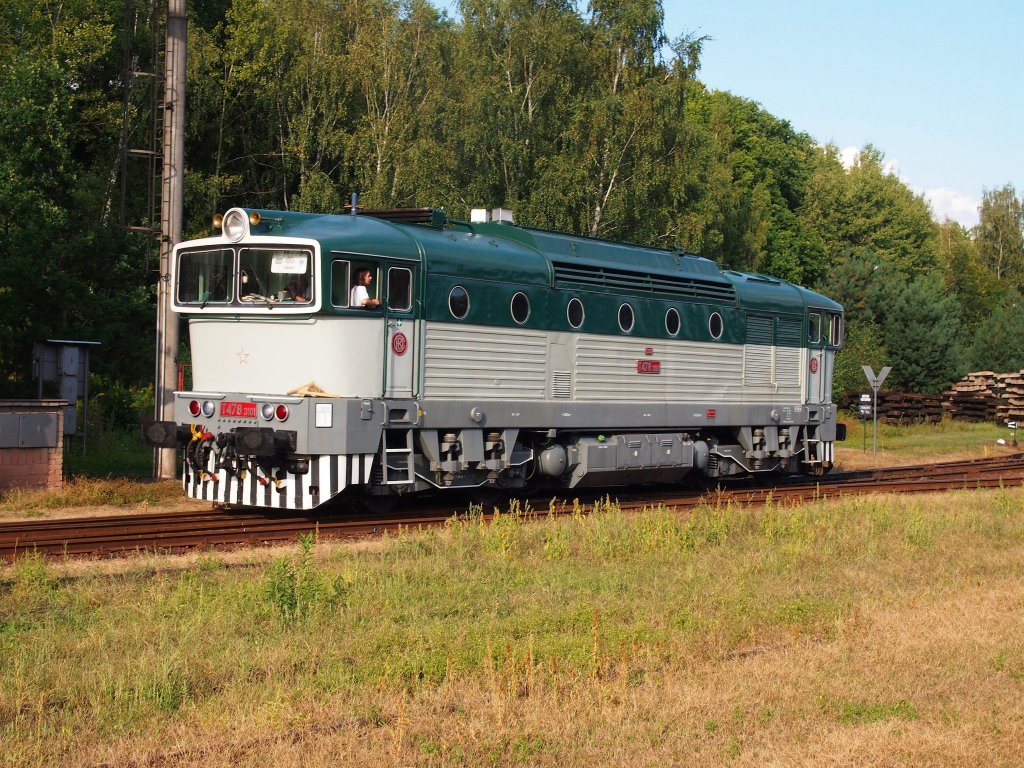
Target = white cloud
(848,156)
(950,204)
(946,203)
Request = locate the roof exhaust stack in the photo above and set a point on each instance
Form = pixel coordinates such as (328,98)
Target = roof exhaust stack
(504,215)
(481,216)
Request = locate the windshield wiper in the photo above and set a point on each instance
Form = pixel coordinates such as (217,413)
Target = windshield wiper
(209,294)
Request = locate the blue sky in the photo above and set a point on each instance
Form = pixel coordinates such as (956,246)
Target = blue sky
(935,85)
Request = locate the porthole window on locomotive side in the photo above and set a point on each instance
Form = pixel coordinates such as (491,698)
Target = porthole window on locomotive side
(574,312)
(626,318)
(715,325)
(672,323)
(520,307)
(458,302)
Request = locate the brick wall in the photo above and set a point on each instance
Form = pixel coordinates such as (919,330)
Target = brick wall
(31,443)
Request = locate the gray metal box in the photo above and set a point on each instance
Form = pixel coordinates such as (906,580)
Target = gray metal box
(28,430)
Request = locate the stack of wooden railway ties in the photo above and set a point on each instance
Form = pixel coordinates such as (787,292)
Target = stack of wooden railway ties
(987,396)
(909,408)
(904,407)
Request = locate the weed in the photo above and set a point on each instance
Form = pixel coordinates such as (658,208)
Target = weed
(1013,667)
(166,690)
(556,543)
(919,530)
(710,523)
(857,713)
(782,524)
(372,715)
(430,747)
(34,585)
(733,746)
(526,749)
(294,588)
(503,535)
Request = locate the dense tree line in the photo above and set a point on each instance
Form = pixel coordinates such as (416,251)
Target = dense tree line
(588,121)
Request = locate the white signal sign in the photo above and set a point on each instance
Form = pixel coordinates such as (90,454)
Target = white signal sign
(876,381)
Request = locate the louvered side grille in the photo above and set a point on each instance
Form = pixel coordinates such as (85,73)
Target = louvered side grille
(561,384)
(668,286)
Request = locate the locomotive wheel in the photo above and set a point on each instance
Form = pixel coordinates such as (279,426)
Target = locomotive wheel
(366,504)
(485,498)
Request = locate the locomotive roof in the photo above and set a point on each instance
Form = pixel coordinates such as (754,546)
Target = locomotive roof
(507,252)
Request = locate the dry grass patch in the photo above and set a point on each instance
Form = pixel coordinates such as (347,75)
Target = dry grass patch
(875,631)
(82,496)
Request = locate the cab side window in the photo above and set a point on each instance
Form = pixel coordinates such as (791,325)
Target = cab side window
(363,290)
(813,328)
(341,282)
(836,339)
(399,289)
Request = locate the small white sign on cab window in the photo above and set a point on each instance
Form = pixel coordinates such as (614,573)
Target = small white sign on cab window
(289,264)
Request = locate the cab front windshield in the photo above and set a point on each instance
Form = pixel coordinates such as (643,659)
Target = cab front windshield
(245,276)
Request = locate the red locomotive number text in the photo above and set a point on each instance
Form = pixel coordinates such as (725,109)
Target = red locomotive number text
(238,410)
(648,366)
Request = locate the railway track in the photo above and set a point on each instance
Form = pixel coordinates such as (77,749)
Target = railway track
(176,532)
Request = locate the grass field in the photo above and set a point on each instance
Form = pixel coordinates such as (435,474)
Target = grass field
(872,631)
(875,631)
(947,440)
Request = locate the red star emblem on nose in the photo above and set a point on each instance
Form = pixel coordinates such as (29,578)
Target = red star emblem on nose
(243,356)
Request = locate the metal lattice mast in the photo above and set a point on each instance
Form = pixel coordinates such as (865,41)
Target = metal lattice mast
(171,199)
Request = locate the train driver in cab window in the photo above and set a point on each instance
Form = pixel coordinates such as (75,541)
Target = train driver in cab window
(298,289)
(360,295)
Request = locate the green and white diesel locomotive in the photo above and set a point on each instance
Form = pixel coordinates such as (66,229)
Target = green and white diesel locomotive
(390,352)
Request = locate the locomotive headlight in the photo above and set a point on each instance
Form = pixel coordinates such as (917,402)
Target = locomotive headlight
(267,411)
(207,408)
(234,225)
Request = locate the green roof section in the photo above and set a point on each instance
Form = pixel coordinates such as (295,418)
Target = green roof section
(508,253)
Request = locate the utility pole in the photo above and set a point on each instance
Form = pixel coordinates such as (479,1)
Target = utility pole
(166,379)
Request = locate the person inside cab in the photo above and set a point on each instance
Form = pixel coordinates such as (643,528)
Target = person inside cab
(298,289)
(360,295)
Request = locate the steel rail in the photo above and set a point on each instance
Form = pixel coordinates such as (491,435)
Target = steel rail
(218,528)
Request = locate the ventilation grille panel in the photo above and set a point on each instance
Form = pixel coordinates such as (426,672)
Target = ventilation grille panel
(667,286)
